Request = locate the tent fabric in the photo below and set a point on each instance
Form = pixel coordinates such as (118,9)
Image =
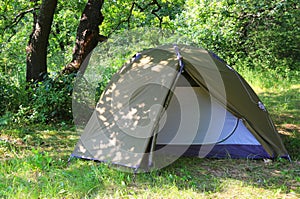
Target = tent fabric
(170,133)
(126,125)
(240,99)
(127,113)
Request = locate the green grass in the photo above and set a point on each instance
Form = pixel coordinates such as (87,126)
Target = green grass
(34,163)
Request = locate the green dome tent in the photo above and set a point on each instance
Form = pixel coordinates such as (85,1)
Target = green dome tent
(169,102)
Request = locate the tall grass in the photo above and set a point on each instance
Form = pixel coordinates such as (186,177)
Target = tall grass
(270,80)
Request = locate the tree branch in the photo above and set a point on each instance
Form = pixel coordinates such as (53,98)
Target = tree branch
(141,9)
(20,16)
(154,11)
(130,14)
(124,20)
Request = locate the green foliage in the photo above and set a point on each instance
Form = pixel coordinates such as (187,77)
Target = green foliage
(48,101)
(16,20)
(15,28)
(11,95)
(63,33)
(256,34)
(51,99)
(127,14)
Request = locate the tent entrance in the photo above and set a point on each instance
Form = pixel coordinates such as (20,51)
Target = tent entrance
(185,114)
(193,119)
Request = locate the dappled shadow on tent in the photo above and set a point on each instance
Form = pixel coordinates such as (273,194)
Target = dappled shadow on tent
(126,116)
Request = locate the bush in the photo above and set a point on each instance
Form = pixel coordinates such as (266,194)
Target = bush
(51,99)
(43,102)
(11,95)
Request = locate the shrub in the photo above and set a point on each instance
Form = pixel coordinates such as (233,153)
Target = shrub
(43,102)
(11,95)
(51,99)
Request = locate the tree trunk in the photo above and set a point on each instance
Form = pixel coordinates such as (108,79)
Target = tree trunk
(87,35)
(37,46)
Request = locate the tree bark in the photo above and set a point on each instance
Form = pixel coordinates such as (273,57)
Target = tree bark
(37,46)
(87,35)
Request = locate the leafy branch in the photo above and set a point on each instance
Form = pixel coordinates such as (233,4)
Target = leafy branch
(19,17)
(141,9)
